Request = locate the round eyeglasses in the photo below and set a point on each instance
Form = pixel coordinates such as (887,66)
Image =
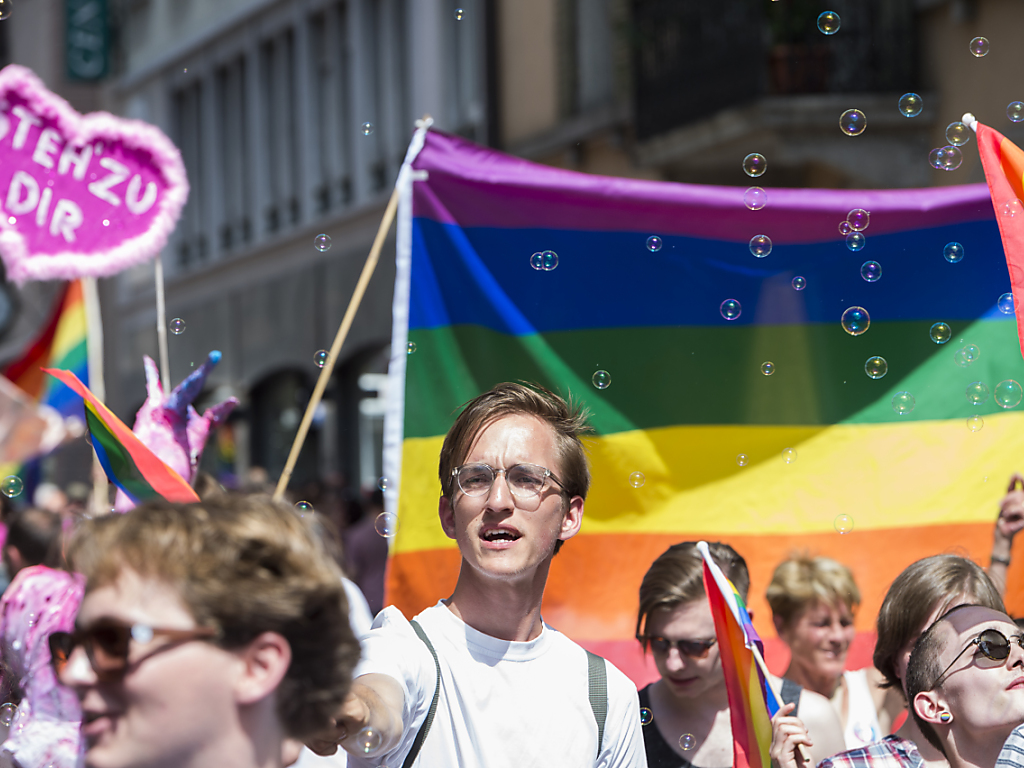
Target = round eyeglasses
(992,643)
(525,481)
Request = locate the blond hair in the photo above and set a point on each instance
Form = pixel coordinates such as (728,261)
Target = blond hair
(802,581)
(242,565)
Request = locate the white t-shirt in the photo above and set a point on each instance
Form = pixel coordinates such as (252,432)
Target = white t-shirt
(501,703)
(862,727)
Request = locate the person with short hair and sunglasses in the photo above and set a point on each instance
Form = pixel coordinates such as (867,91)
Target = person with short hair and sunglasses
(479,679)
(965,682)
(690,719)
(208,634)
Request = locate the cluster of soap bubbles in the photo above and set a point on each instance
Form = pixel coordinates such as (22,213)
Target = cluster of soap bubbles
(12,486)
(853,122)
(853,228)
(947,158)
(544,261)
(966,355)
(911,104)
(177,326)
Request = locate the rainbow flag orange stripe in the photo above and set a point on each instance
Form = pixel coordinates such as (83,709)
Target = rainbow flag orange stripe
(751,701)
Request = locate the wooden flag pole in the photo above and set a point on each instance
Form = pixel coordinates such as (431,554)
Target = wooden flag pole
(100,502)
(339,340)
(804,754)
(161,326)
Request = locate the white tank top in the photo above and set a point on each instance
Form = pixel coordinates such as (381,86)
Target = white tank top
(861,716)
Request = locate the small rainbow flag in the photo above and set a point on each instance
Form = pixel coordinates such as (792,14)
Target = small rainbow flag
(1003,162)
(60,344)
(129,464)
(751,701)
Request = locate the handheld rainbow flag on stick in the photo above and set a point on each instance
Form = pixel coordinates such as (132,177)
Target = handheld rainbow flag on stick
(1003,162)
(129,464)
(752,702)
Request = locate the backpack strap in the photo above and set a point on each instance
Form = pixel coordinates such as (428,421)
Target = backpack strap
(597,675)
(418,742)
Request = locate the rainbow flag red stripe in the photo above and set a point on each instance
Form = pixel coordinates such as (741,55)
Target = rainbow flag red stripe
(751,701)
(129,464)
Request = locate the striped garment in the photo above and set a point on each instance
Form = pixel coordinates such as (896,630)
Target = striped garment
(1012,754)
(890,752)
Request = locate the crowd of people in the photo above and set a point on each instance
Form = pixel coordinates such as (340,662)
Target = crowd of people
(224,633)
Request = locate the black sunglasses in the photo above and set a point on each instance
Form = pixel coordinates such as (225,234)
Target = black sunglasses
(992,643)
(695,649)
(107,644)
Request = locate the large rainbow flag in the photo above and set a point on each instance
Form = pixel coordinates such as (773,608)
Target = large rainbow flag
(817,456)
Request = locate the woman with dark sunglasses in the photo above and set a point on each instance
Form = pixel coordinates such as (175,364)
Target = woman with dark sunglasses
(686,712)
(965,680)
(208,634)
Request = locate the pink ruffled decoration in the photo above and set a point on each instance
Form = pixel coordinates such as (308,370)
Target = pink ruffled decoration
(45,731)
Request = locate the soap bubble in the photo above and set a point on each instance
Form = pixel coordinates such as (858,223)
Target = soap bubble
(386,524)
(856,241)
(601,379)
(754,164)
(367,129)
(979,46)
(845,228)
(971,353)
(876,367)
(687,741)
(858,219)
(911,104)
(654,243)
(7,713)
(828,22)
(302,507)
(383,483)
(730,309)
(977,393)
(12,486)
(799,283)
(1013,208)
(755,198)
(871,271)
(177,326)
(410,348)
(843,523)
(760,245)
(1008,394)
(788,455)
(940,333)
(646,716)
(320,358)
(544,260)
(768,368)
(459,13)
(903,403)
(961,359)
(1015,111)
(853,122)
(367,740)
(637,479)
(1005,303)
(958,134)
(322,242)
(6,7)
(975,423)
(935,158)
(742,459)
(951,158)
(855,321)
(953,252)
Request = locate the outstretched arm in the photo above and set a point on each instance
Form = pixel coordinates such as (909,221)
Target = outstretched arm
(1009,522)
(369,722)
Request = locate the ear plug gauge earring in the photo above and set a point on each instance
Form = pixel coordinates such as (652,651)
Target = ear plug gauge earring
(945,717)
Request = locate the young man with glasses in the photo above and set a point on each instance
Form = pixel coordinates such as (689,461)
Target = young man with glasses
(965,683)
(496,686)
(208,634)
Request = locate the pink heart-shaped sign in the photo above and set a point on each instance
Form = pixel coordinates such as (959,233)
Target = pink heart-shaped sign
(80,195)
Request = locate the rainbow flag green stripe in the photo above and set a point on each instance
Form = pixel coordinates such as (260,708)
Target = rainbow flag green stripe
(116,460)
